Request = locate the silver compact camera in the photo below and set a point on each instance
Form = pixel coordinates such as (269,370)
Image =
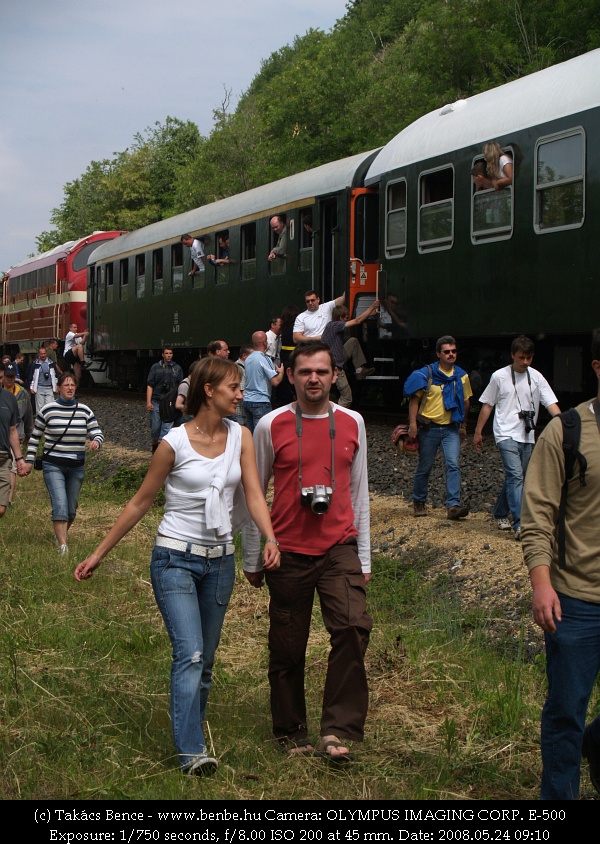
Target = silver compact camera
(317,497)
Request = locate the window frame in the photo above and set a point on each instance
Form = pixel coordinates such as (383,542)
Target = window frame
(402,248)
(538,189)
(482,236)
(440,244)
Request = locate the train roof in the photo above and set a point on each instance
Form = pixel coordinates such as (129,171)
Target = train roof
(320,181)
(558,91)
(46,259)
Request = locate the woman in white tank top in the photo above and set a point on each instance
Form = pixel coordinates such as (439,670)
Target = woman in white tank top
(208,468)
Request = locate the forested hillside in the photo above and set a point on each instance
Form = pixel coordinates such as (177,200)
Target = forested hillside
(326,96)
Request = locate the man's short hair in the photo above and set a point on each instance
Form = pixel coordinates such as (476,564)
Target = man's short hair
(308,348)
(246,349)
(479,169)
(596,344)
(311,293)
(185,237)
(446,340)
(168,349)
(214,347)
(522,344)
(281,217)
(340,311)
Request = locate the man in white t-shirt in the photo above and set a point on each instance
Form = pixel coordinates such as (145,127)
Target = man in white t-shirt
(310,325)
(515,392)
(73,353)
(196,247)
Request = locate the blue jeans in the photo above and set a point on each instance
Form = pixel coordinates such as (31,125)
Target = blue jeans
(255,410)
(447,438)
(572,665)
(192,594)
(515,458)
(158,428)
(63,485)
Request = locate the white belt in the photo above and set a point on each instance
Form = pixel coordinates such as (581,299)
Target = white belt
(209,551)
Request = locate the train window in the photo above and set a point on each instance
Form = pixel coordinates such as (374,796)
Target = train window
(436,209)
(278,265)
(222,256)
(248,242)
(140,276)
(110,278)
(559,183)
(124,279)
(305,253)
(157,272)
(177,266)
(395,222)
(366,227)
(81,258)
(491,212)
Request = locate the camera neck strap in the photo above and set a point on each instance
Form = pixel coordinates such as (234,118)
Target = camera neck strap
(514,380)
(299,435)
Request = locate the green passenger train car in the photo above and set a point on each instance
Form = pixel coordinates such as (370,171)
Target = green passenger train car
(486,265)
(405,224)
(141,294)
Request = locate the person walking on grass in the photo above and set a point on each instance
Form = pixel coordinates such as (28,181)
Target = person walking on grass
(566,592)
(439,397)
(202,465)
(65,425)
(316,452)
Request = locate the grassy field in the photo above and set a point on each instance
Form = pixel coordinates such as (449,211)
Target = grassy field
(85,676)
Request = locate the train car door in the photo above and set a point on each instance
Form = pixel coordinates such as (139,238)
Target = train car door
(328,235)
(364,248)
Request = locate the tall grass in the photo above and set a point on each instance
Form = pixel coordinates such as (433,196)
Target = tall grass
(85,674)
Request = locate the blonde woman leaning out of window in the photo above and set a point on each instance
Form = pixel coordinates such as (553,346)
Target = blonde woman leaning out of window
(206,466)
(498,164)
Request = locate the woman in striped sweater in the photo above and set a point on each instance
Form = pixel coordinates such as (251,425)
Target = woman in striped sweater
(65,425)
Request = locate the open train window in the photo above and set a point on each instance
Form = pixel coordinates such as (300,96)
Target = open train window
(560,181)
(157,272)
(395,219)
(248,243)
(177,266)
(140,276)
(305,251)
(436,209)
(110,278)
(491,210)
(278,265)
(124,279)
(222,256)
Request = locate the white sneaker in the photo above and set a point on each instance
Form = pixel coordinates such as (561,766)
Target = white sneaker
(504,524)
(518,534)
(64,549)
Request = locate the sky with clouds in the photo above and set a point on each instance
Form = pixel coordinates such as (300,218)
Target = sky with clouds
(78,79)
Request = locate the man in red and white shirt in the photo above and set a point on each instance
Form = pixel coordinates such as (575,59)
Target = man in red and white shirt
(321,448)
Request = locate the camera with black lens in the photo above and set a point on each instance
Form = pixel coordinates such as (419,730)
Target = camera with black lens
(528,417)
(317,497)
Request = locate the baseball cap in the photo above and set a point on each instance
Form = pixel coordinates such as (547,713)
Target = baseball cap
(10,369)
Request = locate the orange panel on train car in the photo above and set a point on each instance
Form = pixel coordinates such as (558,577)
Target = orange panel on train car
(364,245)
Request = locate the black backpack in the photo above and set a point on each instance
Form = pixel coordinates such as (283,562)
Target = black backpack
(571,425)
(166,406)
